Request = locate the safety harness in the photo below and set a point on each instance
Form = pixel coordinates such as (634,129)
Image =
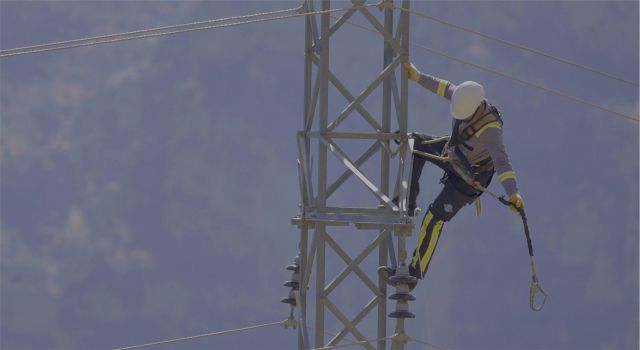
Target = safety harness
(459,138)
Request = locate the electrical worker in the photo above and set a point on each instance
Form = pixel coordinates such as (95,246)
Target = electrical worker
(475,143)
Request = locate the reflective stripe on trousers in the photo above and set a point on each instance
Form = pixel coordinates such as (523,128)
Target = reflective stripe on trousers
(429,235)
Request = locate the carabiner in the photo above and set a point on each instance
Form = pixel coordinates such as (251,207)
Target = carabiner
(535,288)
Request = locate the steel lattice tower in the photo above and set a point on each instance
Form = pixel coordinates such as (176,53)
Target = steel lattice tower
(388,220)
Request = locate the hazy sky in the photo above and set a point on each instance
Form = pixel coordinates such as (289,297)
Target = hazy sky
(147,187)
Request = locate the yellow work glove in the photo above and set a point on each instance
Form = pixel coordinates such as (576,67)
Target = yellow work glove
(412,70)
(516,202)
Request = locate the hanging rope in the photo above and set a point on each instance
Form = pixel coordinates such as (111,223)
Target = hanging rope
(203,335)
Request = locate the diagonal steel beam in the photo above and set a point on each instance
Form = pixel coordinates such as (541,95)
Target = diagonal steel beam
(380,28)
(303,145)
(310,259)
(358,163)
(396,96)
(364,312)
(317,43)
(339,153)
(402,184)
(345,321)
(364,94)
(303,333)
(399,29)
(314,101)
(404,78)
(305,180)
(301,183)
(344,256)
(344,18)
(343,90)
(353,265)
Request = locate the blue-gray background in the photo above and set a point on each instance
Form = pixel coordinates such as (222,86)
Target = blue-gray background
(148,186)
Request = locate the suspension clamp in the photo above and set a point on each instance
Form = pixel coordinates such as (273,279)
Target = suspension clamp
(401,337)
(385,4)
(290,322)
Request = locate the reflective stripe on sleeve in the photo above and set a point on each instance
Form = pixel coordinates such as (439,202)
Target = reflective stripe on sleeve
(507,175)
(495,124)
(442,87)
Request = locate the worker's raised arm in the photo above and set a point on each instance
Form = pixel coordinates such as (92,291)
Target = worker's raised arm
(491,138)
(436,85)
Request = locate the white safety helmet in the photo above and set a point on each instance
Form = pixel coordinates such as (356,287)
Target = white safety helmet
(465,99)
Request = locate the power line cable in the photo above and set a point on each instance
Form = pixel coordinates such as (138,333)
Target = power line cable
(82,43)
(348,341)
(44,48)
(203,335)
(511,77)
(428,344)
(526,82)
(521,47)
(334,334)
(39,46)
(368,341)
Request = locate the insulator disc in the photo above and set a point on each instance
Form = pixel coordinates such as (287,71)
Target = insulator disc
(403,279)
(402,296)
(292,284)
(290,301)
(402,314)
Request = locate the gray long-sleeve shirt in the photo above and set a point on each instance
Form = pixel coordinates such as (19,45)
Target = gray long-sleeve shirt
(487,142)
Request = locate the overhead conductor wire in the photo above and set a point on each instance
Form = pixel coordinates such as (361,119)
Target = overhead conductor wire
(108,36)
(202,335)
(521,47)
(113,38)
(526,82)
(440,347)
(148,33)
(101,40)
(352,343)
(508,76)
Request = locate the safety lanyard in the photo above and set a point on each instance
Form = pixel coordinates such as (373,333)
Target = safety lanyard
(457,169)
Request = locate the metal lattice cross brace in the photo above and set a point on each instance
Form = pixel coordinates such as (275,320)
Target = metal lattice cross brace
(382,214)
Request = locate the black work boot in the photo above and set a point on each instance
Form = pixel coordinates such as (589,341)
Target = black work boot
(411,208)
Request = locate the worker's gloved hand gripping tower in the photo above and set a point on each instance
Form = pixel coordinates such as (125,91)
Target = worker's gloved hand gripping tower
(324,135)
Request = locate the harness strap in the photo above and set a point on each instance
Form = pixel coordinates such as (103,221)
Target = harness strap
(455,135)
(463,159)
(492,116)
(459,138)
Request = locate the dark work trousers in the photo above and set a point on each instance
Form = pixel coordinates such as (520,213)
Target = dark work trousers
(455,194)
